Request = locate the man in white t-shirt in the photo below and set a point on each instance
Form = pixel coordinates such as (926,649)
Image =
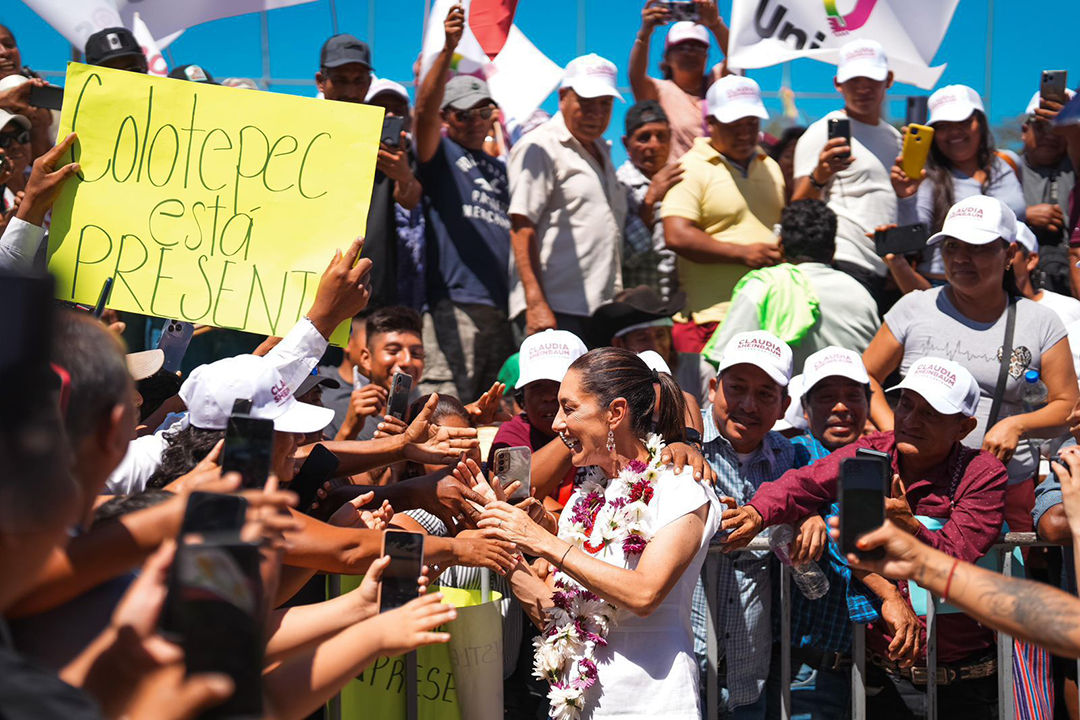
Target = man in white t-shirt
(854,179)
(1024,263)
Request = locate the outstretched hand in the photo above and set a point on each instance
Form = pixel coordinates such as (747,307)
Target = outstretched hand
(488,407)
(46,181)
(344,289)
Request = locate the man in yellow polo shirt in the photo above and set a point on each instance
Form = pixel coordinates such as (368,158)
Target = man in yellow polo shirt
(719,220)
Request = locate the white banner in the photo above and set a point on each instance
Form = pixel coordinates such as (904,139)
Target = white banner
(769,32)
(520,78)
(77,21)
(164,17)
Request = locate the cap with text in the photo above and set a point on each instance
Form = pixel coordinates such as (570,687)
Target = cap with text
(862,58)
(953,103)
(686,31)
(946,385)
(210,391)
(833,361)
(977,220)
(547,356)
(761,349)
(591,76)
(733,98)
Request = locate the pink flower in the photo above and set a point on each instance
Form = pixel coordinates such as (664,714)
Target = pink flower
(637,466)
(633,544)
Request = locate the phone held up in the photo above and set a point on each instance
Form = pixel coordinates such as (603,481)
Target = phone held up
(320,466)
(901,240)
(514,463)
(863,483)
(400,389)
(398,586)
(1052,86)
(917,142)
(249,446)
(391,131)
(840,128)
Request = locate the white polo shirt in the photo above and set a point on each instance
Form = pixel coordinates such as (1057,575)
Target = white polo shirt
(578,208)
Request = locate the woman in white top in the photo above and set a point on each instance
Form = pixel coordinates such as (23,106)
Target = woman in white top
(616,611)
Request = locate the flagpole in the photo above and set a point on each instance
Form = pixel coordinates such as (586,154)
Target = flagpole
(264,31)
(333,17)
(989,57)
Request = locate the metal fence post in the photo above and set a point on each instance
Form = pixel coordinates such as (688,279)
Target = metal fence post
(931,658)
(1006,706)
(858,671)
(333,589)
(785,642)
(712,695)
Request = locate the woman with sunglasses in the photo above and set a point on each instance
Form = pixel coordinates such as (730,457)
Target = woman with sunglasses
(681,91)
(14,162)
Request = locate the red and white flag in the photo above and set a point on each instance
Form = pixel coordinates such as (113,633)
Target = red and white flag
(155,63)
(490,21)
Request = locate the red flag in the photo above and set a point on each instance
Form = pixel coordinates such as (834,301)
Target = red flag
(490,21)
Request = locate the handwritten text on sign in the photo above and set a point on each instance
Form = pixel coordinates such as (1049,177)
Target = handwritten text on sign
(209,204)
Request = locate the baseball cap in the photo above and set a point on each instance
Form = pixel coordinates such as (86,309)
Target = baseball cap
(20,120)
(210,391)
(862,58)
(946,385)
(1034,104)
(686,31)
(654,361)
(591,76)
(193,73)
(547,356)
(111,43)
(978,220)
(734,97)
(381,85)
(761,349)
(315,379)
(344,49)
(794,418)
(833,361)
(1025,238)
(953,103)
(643,113)
(464,91)
(143,364)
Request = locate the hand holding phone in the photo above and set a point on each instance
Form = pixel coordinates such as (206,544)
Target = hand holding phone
(174,341)
(50,97)
(680,10)
(514,464)
(399,580)
(862,501)
(1052,86)
(391,131)
(901,240)
(841,128)
(917,142)
(400,389)
(249,447)
(320,466)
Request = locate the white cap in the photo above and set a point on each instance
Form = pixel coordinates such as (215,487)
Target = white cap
(794,418)
(761,349)
(946,385)
(686,31)
(6,117)
(654,361)
(592,76)
(1026,239)
(1034,104)
(834,362)
(734,97)
(977,220)
(547,356)
(953,103)
(381,85)
(210,390)
(862,58)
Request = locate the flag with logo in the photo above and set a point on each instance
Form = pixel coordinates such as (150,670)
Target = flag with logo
(165,17)
(519,75)
(770,32)
(155,62)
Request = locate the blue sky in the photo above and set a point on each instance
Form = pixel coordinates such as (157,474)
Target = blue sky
(1023,45)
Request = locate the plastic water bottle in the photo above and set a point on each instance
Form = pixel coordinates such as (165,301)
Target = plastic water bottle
(1034,394)
(808,577)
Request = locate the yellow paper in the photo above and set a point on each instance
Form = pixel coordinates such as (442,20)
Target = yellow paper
(208,204)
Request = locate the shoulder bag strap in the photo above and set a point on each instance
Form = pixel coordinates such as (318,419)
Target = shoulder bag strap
(1006,360)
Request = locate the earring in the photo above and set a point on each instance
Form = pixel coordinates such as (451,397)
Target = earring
(610,441)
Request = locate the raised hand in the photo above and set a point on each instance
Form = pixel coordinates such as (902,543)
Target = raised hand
(454,26)
(488,408)
(47,179)
(344,289)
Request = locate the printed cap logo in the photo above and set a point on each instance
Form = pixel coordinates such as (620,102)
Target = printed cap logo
(114,41)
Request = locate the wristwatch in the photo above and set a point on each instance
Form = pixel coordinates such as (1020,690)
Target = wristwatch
(815,183)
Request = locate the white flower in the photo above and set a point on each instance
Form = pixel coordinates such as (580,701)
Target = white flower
(634,514)
(566,703)
(548,663)
(654,444)
(619,487)
(589,486)
(567,639)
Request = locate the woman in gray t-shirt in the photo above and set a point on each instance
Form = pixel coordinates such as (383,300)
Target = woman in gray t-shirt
(965,321)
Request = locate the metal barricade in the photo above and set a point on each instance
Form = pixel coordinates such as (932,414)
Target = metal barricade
(1007,710)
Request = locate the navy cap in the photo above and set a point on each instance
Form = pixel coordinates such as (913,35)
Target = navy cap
(111,43)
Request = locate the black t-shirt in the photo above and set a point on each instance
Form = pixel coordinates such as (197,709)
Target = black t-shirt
(467,235)
(380,243)
(28,692)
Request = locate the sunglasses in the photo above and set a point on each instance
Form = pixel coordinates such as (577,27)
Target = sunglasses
(466,115)
(9,139)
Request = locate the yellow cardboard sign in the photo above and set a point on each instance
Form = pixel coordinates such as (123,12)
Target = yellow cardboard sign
(208,204)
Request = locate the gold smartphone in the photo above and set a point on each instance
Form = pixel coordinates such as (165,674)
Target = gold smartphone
(917,143)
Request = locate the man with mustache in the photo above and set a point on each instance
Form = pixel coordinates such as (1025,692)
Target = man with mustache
(748,396)
(959,489)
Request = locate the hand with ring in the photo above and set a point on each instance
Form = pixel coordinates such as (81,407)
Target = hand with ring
(515,525)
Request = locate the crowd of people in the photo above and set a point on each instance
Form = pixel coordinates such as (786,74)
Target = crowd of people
(689,345)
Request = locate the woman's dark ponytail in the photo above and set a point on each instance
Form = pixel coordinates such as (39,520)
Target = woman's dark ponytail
(671,423)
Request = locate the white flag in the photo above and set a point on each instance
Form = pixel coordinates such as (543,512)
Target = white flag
(769,32)
(164,17)
(155,63)
(77,21)
(520,78)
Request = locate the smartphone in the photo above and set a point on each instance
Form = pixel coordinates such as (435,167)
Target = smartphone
(392,125)
(901,240)
(174,341)
(106,291)
(681,10)
(917,110)
(316,470)
(249,444)
(840,127)
(406,551)
(917,142)
(514,463)
(1053,84)
(400,388)
(49,96)
(213,513)
(214,606)
(862,501)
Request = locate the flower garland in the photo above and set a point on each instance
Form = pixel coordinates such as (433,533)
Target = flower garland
(611,515)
